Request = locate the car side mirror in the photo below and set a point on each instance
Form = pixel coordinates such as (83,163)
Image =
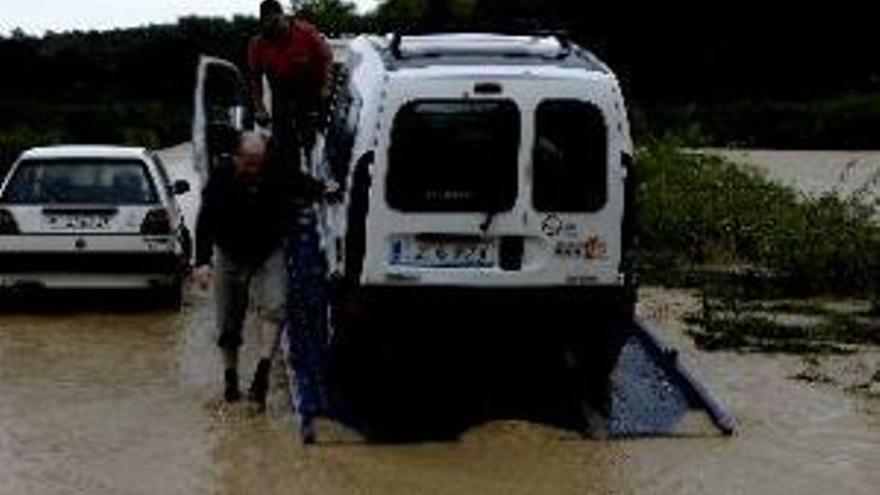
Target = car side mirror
(180,187)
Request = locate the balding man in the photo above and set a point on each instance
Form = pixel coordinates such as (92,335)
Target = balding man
(246,213)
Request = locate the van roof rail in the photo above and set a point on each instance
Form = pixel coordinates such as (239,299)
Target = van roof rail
(562,38)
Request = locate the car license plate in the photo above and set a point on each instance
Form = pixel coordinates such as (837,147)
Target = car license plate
(78,222)
(445,253)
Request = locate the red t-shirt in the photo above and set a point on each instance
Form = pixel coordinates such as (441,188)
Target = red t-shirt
(297,64)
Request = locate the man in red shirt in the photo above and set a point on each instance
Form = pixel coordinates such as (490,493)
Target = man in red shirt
(296,60)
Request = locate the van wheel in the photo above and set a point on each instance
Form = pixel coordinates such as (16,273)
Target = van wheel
(595,352)
(348,322)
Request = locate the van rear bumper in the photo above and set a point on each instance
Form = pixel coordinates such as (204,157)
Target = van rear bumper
(562,307)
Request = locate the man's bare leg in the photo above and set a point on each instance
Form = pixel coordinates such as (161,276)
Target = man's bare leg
(270,332)
(230,359)
(230,374)
(272,292)
(270,339)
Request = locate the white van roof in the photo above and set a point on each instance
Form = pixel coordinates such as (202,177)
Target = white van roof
(470,49)
(480,43)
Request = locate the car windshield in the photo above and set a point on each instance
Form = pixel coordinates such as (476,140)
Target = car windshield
(454,156)
(80,181)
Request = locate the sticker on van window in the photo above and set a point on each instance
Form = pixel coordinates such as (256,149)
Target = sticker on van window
(592,248)
(595,248)
(551,226)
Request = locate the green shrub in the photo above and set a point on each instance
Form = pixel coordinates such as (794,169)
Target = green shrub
(699,210)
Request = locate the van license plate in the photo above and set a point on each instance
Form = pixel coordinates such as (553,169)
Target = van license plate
(445,253)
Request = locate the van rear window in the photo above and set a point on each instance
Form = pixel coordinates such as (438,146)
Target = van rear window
(454,155)
(80,181)
(570,157)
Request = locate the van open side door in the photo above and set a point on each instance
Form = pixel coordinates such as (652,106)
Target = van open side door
(222,108)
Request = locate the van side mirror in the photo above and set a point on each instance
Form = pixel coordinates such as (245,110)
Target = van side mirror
(180,187)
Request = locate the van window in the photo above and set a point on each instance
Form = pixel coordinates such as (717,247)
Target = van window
(455,155)
(570,157)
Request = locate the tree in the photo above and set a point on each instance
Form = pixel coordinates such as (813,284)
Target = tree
(18,34)
(333,17)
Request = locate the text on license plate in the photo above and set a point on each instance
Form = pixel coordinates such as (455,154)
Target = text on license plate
(465,253)
(84,222)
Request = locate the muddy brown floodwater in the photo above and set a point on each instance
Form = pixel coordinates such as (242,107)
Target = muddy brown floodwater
(126,402)
(95,403)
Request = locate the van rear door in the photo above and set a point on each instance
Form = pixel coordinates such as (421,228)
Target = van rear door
(507,180)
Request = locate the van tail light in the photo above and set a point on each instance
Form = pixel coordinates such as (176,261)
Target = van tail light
(157,222)
(7,223)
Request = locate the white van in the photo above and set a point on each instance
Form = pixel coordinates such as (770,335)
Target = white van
(485,164)
(487,182)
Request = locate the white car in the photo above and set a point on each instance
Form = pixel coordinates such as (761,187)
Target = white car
(92,217)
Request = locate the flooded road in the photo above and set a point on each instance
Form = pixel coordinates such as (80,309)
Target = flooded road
(99,403)
(125,401)
(815,172)
(95,403)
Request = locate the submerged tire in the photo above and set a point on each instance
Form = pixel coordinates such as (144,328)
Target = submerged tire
(594,352)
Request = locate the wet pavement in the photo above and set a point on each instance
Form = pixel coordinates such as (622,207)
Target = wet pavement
(121,402)
(108,395)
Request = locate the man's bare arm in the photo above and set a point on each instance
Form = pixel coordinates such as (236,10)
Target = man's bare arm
(255,88)
(324,60)
(255,83)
